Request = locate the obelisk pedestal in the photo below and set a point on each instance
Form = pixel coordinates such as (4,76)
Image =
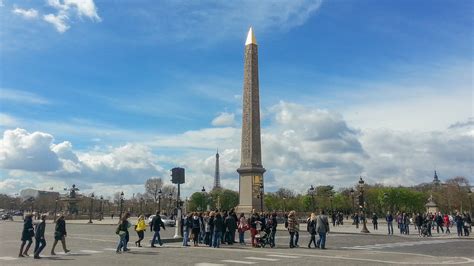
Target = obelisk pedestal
(251,169)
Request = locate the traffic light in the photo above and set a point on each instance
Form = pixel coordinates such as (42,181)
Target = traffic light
(177,175)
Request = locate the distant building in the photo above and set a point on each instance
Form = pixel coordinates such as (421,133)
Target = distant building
(39,200)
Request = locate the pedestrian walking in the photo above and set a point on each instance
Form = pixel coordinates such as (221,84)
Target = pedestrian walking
(196,229)
(375,221)
(459,223)
(140,228)
(447,223)
(60,234)
(156,225)
(242,227)
(322,228)
(26,235)
(231,226)
(439,222)
(254,221)
(311,228)
(389,219)
(212,217)
(419,223)
(356,220)
(218,229)
(122,232)
(273,224)
(187,226)
(40,241)
(292,228)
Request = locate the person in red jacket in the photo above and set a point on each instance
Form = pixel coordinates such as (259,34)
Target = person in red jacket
(446,223)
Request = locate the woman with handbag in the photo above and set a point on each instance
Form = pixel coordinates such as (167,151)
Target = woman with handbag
(27,235)
(242,227)
(60,234)
(122,231)
(140,228)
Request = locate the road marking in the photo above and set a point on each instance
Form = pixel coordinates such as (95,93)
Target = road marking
(283,256)
(8,258)
(208,264)
(401,244)
(258,258)
(90,251)
(239,261)
(110,249)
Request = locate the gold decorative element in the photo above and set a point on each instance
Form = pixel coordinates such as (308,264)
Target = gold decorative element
(251,38)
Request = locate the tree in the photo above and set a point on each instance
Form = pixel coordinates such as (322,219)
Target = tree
(153,187)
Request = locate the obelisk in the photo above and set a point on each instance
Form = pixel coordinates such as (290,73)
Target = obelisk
(251,169)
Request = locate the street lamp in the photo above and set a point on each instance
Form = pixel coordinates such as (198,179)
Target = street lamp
(159,200)
(171,199)
(121,204)
(92,205)
(311,191)
(362,205)
(352,196)
(203,191)
(55,207)
(260,196)
(101,216)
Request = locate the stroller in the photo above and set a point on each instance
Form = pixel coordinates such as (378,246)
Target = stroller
(263,238)
(424,229)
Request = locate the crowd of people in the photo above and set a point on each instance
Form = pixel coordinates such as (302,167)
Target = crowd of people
(423,223)
(215,228)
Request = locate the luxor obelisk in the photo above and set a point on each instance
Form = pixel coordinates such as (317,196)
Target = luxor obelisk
(251,169)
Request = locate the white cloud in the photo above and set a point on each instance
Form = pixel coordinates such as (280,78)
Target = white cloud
(59,21)
(68,8)
(302,145)
(224,119)
(21,96)
(7,120)
(26,13)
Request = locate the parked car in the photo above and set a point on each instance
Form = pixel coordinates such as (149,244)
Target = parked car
(7,216)
(167,221)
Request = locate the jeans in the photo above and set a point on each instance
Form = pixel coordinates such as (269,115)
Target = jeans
(459,226)
(39,246)
(272,234)
(185,236)
(390,228)
(438,227)
(297,237)
(376,226)
(156,235)
(122,244)
(292,237)
(241,237)
(312,240)
(322,240)
(216,241)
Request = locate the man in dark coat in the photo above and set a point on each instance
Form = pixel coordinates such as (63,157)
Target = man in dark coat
(40,241)
(322,228)
(155,225)
(231,226)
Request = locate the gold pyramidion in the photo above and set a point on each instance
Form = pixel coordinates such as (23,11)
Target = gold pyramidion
(251,37)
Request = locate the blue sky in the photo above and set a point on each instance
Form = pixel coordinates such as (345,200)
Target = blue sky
(164,79)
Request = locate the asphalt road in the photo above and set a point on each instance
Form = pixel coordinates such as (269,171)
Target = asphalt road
(95,245)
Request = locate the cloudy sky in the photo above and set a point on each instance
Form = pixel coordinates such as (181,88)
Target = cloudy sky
(106,94)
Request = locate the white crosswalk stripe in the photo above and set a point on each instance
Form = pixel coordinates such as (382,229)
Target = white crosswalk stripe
(90,251)
(401,244)
(283,256)
(8,258)
(208,264)
(258,258)
(239,261)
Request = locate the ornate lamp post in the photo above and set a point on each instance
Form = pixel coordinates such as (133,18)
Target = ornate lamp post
(203,191)
(92,206)
(170,206)
(260,196)
(101,216)
(55,207)
(141,204)
(159,200)
(352,196)
(121,205)
(470,201)
(362,206)
(311,192)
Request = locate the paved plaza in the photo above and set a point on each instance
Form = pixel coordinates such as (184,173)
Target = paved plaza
(95,245)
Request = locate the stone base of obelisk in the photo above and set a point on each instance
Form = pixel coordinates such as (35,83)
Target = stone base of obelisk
(249,189)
